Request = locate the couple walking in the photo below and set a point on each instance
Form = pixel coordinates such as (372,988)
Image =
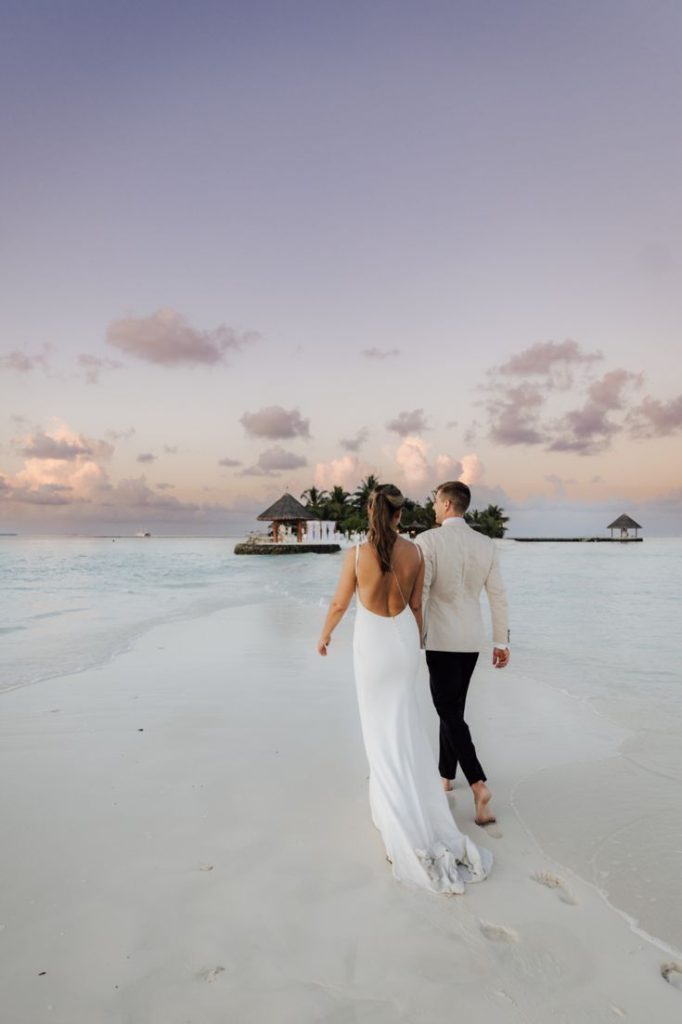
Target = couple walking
(407,592)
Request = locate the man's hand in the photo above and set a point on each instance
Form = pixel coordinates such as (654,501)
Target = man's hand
(500,657)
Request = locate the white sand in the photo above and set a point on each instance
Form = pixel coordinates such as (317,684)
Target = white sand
(221,866)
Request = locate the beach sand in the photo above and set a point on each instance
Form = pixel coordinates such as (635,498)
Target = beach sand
(186,838)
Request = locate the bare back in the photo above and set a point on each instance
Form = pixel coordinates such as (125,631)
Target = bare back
(387,594)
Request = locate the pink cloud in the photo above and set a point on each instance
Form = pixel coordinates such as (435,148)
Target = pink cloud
(656,418)
(406,423)
(417,472)
(589,429)
(93,366)
(275,423)
(346,472)
(21,362)
(355,443)
(166,338)
(551,359)
(514,415)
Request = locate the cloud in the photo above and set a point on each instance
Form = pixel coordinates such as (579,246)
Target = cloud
(121,435)
(20,362)
(408,423)
(43,494)
(256,471)
(346,472)
(62,445)
(589,429)
(42,446)
(472,470)
(275,423)
(551,359)
(272,461)
(654,418)
(60,467)
(166,338)
(354,444)
(94,366)
(135,494)
(164,487)
(379,353)
(559,484)
(170,449)
(514,417)
(417,472)
(146,457)
(229,462)
(278,458)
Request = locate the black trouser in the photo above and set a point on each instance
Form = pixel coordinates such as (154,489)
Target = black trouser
(450,673)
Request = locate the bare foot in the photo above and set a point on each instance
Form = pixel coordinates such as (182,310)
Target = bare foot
(482,797)
(447,785)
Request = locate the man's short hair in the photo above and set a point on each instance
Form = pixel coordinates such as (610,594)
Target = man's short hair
(456,492)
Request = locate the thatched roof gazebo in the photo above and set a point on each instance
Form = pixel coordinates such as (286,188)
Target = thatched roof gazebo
(624,523)
(287,511)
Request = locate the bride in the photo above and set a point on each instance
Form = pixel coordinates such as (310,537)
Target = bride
(407,801)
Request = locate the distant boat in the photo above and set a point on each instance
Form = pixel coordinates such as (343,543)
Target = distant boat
(141,533)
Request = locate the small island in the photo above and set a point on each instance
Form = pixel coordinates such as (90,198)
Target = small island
(289,532)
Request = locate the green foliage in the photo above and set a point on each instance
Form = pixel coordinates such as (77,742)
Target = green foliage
(314,500)
(349,511)
(491,521)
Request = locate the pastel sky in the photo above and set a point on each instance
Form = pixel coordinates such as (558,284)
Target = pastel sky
(250,246)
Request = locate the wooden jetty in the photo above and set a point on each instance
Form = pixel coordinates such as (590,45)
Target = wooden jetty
(578,540)
(623,523)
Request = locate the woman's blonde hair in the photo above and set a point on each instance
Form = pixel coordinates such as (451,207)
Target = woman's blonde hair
(382,506)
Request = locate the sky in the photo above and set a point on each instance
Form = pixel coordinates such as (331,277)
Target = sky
(247,247)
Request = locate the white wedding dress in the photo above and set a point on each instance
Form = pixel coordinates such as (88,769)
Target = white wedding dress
(407,801)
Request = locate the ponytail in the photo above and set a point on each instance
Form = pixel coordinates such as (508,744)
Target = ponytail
(383,504)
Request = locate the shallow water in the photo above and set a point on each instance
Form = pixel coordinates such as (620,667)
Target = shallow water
(599,621)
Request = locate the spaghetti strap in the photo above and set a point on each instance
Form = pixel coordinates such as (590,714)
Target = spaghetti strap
(400,589)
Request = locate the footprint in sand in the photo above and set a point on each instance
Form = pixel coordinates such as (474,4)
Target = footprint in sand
(672,972)
(554,882)
(210,974)
(498,933)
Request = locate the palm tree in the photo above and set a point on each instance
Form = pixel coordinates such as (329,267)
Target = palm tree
(336,505)
(491,521)
(314,500)
(363,490)
(338,495)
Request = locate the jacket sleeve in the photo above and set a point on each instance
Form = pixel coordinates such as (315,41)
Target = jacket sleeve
(428,571)
(497,599)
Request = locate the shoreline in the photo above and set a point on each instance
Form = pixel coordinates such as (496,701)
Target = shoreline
(228,775)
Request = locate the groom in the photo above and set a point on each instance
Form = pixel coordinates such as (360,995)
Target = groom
(459,563)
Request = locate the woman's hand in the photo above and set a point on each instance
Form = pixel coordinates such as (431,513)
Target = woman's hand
(322,645)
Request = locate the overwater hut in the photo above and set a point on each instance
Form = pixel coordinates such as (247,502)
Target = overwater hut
(287,511)
(624,523)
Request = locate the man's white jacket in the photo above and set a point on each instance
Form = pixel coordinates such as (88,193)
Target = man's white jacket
(458,564)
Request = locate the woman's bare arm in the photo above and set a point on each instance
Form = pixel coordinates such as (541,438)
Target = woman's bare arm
(416,599)
(339,603)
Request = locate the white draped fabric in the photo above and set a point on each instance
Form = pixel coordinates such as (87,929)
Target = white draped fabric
(408,804)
